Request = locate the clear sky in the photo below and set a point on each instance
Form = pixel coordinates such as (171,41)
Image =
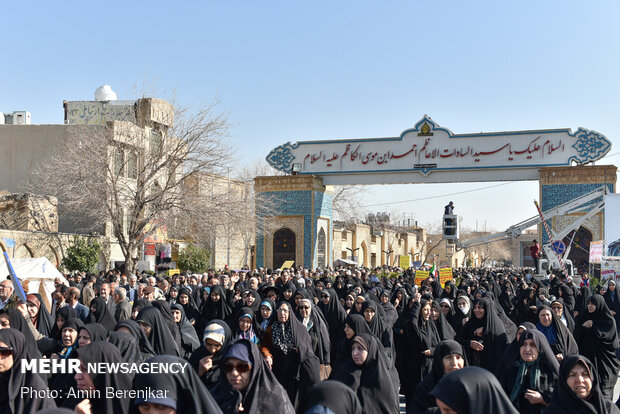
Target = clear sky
(301,70)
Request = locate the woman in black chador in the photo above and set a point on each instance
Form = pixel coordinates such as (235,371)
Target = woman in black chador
(371,375)
(472,390)
(577,390)
(422,338)
(530,379)
(13,351)
(595,332)
(294,363)
(483,336)
(448,356)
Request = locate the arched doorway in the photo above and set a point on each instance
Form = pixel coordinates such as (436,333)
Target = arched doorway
(321,248)
(283,246)
(580,249)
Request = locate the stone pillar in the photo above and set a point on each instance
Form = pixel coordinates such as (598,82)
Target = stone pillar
(300,203)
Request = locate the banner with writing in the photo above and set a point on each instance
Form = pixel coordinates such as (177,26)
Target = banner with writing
(420,275)
(596,251)
(445,275)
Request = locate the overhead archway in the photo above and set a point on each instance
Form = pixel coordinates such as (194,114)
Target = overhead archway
(364,260)
(24,251)
(53,257)
(425,153)
(283,246)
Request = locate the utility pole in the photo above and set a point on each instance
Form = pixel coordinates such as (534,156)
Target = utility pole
(352,251)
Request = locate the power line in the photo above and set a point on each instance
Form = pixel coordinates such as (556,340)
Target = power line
(457,193)
(610,155)
(439,196)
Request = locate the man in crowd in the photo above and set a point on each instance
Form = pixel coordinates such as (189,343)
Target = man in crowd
(88,293)
(535,253)
(72,299)
(131,288)
(123,307)
(6,294)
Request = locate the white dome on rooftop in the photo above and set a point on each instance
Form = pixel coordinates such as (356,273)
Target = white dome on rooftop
(105,93)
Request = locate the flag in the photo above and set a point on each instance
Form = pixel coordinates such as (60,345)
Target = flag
(17,287)
(433,271)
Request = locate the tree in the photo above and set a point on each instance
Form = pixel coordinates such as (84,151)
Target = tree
(195,259)
(227,210)
(82,255)
(434,238)
(247,206)
(127,178)
(346,203)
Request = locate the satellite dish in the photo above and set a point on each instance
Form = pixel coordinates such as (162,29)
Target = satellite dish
(105,93)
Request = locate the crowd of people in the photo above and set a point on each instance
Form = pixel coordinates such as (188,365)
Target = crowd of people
(328,341)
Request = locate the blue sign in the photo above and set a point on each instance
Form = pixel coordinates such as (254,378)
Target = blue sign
(558,247)
(8,242)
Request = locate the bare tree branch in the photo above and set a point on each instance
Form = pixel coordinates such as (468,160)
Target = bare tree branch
(126,178)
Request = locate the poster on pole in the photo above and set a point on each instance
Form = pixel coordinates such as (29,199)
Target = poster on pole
(596,251)
(612,224)
(420,276)
(445,275)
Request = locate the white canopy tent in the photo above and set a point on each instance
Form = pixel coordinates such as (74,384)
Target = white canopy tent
(345,262)
(40,274)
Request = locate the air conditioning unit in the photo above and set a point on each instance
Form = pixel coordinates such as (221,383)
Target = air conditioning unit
(21,118)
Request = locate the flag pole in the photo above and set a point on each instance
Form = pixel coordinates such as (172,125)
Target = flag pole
(17,286)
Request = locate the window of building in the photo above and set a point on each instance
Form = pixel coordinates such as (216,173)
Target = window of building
(156,142)
(132,165)
(124,221)
(344,235)
(173,176)
(119,161)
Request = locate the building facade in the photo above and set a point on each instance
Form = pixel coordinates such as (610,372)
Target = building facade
(372,245)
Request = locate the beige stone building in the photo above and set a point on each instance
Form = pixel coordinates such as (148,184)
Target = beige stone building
(135,129)
(29,228)
(27,146)
(229,225)
(374,246)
